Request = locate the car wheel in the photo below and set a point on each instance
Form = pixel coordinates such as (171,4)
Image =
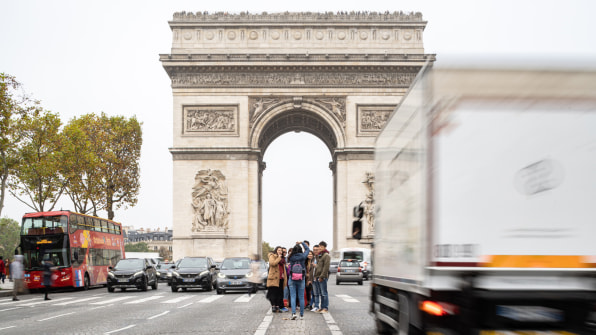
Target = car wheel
(110,289)
(174,288)
(184,289)
(360,283)
(219,291)
(123,289)
(336,282)
(144,284)
(154,286)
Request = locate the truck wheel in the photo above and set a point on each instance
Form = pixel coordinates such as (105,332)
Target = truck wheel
(383,328)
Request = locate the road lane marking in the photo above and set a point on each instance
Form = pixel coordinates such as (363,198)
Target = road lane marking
(121,329)
(158,315)
(177,300)
(185,305)
(9,309)
(7,327)
(145,299)
(333,327)
(244,298)
(75,301)
(20,301)
(211,299)
(262,328)
(56,316)
(43,302)
(346,298)
(110,300)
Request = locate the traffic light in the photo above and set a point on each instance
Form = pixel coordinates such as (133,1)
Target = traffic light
(357,224)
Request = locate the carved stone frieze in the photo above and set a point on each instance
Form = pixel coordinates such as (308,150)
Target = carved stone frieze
(383,77)
(369,202)
(210,120)
(210,202)
(340,16)
(371,119)
(335,106)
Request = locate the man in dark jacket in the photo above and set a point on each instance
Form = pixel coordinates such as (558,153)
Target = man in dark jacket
(322,275)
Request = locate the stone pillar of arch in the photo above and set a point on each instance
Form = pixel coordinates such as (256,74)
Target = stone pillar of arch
(241,80)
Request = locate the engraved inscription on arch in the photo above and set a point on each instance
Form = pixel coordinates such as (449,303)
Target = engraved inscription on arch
(210,120)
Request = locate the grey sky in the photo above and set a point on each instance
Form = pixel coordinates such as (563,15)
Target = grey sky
(80,57)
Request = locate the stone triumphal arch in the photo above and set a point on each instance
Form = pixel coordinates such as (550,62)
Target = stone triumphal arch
(241,80)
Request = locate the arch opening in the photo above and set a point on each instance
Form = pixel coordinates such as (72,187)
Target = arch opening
(297,191)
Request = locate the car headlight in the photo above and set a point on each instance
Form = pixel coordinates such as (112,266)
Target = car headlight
(221,275)
(249,274)
(140,273)
(204,273)
(169,274)
(110,274)
(174,273)
(159,274)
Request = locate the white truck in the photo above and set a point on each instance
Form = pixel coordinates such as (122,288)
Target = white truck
(485,200)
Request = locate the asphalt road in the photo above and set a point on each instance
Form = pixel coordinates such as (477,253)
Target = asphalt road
(192,312)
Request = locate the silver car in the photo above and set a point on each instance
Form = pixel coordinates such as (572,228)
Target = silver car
(232,275)
(349,270)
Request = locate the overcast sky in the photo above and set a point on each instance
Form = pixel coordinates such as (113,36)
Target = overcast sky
(87,57)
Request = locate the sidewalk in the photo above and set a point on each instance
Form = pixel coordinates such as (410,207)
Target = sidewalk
(6,288)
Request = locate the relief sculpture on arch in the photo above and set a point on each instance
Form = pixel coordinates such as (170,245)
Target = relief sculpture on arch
(210,202)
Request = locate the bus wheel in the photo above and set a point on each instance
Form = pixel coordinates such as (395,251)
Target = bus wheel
(86,284)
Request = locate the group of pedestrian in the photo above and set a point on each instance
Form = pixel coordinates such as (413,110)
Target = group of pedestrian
(299,277)
(16,270)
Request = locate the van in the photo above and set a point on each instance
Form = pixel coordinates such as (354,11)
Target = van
(362,255)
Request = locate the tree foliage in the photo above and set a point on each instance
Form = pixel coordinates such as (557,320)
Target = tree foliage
(40,152)
(14,104)
(137,247)
(265,250)
(9,237)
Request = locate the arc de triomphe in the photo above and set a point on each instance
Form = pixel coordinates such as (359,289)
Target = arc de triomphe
(241,80)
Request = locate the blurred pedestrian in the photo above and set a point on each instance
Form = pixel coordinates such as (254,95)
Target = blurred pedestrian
(322,275)
(2,269)
(276,279)
(16,272)
(254,280)
(48,268)
(297,277)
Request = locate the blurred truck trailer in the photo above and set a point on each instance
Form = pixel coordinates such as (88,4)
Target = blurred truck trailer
(485,201)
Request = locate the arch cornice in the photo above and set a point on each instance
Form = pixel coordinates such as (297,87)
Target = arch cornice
(308,116)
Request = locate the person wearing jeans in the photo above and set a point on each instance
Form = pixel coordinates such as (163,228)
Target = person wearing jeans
(322,275)
(296,278)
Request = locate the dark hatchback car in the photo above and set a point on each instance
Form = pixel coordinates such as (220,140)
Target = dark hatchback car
(164,271)
(232,275)
(136,273)
(194,272)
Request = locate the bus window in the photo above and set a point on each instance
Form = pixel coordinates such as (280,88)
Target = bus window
(73,223)
(96,225)
(104,226)
(118,232)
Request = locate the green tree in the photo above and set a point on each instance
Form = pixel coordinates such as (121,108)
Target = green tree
(265,250)
(9,237)
(40,151)
(137,247)
(14,104)
(120,162)
(82,145)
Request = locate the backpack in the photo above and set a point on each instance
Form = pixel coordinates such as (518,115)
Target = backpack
(296,271)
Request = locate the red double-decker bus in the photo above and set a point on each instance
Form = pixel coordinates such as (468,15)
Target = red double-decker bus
(81,247)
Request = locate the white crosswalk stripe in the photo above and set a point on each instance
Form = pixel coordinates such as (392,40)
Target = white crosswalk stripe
(109,301)
(211,299)
(41,301)
(244,298)
(346,298)
(144,299)
(177,300)
(75,301)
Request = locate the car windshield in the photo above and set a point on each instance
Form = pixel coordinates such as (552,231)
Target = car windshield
(193,263)
(354,255)
(235,264)
(350,263)
(164,266)
(129,264)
